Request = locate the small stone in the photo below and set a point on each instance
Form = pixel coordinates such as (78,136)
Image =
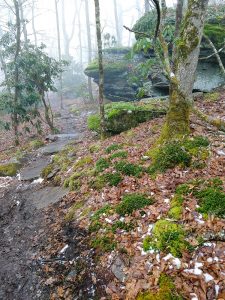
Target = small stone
(117,269)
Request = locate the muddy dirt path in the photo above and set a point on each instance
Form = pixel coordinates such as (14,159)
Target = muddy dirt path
(22,222)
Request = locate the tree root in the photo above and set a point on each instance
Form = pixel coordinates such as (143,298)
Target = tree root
(218,123)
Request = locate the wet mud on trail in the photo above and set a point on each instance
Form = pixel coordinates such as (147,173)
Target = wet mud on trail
(27,211)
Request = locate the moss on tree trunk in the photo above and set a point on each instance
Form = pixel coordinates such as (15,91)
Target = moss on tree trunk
(178,116)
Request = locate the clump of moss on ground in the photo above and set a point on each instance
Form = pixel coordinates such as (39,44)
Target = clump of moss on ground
(35,144)
(176,208)
(95,218)
(132,203)
(70,215)
(10,169)
(47,171)
(113,148)
(119,154)
(129,169)
(73,182)
(209,193)
(82,162)
(167,291)
(178,153)
(167,236)
(102,164)
(104,243)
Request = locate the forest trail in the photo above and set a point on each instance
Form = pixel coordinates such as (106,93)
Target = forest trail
(22,215)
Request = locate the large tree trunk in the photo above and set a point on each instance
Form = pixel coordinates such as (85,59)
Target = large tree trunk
(185,64)
(89,48)
(59,51)
(101,72)
(15,120)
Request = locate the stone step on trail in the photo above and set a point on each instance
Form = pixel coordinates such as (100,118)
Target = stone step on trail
(33,170)
(45,196)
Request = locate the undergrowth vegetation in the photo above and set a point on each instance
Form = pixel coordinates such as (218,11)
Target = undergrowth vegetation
(168,237)
(166,291)
(183,153)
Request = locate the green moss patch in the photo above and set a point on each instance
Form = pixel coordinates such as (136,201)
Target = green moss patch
(167,236)
(47,171)
(122,225)
(167,291)
(209,193)
(102,164)
(128,168)
(35,144)
(113,148)
(82,162)
(212,97)
(9,169)
(70,215)
(119,154)
(104,243)
(176,208)
(133,202)
(179,153)
(95,218)
(73,182)
(122,116)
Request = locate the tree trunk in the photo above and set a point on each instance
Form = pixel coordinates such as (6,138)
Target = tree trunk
(66,37)
(118,30)
(15,120)
(101,72)
(59,51)
(33,23)
(23,21)
(179,16)
(47,108)
(79,32)
(89,48)
(185,64)
(138,7)
(147,6)
(216,54)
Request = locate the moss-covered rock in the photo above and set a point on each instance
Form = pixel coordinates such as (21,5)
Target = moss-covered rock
(47,171)
(123,116)
(116,74)
(9,169)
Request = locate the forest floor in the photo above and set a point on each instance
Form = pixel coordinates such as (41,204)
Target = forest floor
(82,248)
